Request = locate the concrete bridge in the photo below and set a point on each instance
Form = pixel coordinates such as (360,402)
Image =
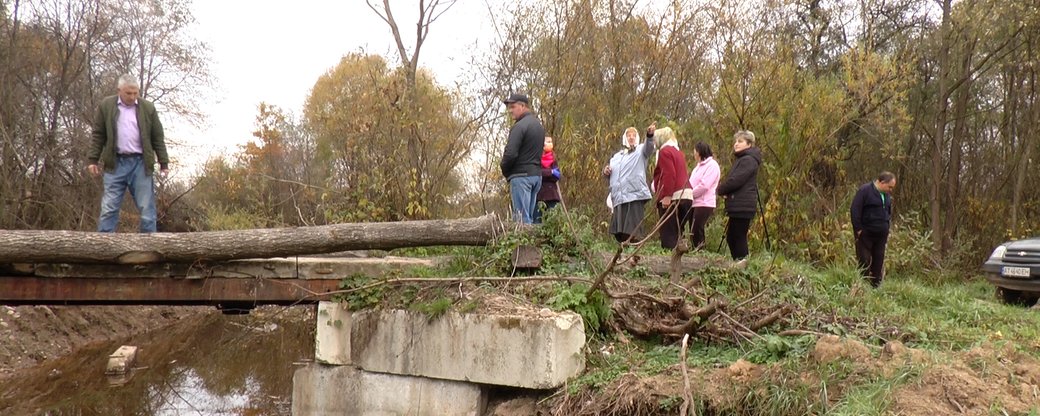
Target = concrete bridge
(236,285)
(365,362)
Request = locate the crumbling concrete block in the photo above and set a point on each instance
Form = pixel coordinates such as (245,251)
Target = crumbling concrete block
(320,390)
(538,350)
(121,361)
(332,339)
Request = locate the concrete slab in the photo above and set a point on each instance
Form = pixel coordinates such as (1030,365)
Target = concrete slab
(529,350)
(273,268)
(344,390)
(122,360)
(332,339)
(527,257)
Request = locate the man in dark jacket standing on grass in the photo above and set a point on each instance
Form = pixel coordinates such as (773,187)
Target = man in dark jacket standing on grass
(127,142)
(871,218)
(522,159)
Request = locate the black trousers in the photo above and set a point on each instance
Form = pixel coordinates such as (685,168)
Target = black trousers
(736,236)
(870,253)
(701,215)
(676,224)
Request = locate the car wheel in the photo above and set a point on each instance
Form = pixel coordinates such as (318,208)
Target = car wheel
(1016,297)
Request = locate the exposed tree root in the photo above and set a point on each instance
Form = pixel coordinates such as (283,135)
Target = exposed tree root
(645,315)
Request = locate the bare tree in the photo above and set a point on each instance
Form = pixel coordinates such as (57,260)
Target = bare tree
(429,12)
(57,59)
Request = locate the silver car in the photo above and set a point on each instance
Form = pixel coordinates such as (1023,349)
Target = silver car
(1014,267)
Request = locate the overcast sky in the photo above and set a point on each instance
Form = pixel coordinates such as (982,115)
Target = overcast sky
(274,51)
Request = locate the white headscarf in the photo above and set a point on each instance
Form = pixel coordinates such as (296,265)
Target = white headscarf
(624,140)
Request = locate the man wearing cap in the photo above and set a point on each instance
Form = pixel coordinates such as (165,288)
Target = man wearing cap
(521,161)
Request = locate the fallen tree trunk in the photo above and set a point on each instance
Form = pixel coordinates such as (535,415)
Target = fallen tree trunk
(44,246)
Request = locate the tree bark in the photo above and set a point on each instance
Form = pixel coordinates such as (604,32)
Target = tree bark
(1008,127)
(938,139)
(953,178)
(1028,142)
(41,246)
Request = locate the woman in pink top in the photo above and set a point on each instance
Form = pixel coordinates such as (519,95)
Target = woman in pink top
(704,179)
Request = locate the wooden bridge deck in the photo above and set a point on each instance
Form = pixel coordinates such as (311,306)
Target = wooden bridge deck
(239,284)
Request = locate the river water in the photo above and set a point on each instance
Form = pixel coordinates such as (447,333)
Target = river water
(211,365)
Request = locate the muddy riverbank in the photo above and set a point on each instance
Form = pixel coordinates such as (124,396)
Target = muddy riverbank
(31,335)
(199,362)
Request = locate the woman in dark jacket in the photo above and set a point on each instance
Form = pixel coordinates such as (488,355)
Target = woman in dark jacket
(740,191)
(549,194)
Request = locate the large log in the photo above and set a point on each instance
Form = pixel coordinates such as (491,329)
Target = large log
(40,246)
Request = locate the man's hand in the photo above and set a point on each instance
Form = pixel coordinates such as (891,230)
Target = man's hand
(650,130)
(607,171)
(94,169)
(164,173)
(666,201)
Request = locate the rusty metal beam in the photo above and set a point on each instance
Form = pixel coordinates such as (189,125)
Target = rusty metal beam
(238,293)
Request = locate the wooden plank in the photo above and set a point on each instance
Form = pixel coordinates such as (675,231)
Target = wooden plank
(276,268)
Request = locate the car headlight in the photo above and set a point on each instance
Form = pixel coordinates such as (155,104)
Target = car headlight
(998,253)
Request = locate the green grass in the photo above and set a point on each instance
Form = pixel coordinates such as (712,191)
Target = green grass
(873,396)
(932,310)
(923,310)
(947,316)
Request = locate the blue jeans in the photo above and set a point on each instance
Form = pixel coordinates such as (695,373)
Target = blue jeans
(524,190)
(129,174)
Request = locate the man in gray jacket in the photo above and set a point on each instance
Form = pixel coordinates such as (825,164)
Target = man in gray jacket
(521,161)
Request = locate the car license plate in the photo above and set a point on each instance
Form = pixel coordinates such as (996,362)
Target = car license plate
(1015,271)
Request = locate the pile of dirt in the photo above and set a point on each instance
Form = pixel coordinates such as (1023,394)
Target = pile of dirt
(629,395)
(972,382)
(30,335)
(831,348)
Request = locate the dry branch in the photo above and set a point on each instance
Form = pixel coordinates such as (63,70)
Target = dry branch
(800,332)
(599,283)
(771,318)
(699,318)
(686,408)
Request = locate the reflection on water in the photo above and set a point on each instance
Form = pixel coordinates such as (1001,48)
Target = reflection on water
(212,365)
(190,396)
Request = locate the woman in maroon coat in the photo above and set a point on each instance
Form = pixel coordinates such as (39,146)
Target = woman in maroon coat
(549,194)
(672,186)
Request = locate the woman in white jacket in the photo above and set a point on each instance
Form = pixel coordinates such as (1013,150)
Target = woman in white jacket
(628,189)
